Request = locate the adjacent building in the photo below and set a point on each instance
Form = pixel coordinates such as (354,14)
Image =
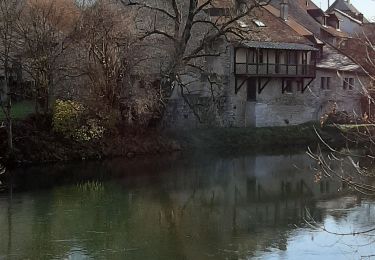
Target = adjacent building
(351,20)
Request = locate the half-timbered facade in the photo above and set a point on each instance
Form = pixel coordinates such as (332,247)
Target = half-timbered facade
(256,63)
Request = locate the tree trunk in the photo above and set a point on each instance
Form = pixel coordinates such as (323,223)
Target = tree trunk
(8,106)
(10,132)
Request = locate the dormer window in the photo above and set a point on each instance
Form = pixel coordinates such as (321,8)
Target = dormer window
(242,24)
(259,23)
(324,21)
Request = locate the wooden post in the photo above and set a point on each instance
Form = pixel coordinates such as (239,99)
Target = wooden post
(257,51)
(235,61)
(267,60)
(297,62)
(247,61)
(287,62)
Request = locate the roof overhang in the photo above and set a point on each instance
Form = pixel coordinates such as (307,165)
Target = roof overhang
(347,16)
(277,46)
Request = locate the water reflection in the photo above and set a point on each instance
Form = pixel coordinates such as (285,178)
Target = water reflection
(198,208)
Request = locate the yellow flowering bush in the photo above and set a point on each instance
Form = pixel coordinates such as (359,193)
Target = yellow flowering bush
(68,120)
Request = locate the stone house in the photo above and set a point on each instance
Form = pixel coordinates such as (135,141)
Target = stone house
(265,77)
(339,81)
(281,74)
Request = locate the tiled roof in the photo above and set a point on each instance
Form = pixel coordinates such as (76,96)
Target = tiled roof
(275,30)
(301,13)
(316,12)
(343,5)
(291,22)
(346,15)
(332,58)
(298,10)
(335,60)
(357,49)
(219,3)
(278,45)
(335,32)
(346,7)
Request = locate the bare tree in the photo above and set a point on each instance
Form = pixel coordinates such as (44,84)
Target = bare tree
(187,35)
(9,14)
(105,57)
(43,29)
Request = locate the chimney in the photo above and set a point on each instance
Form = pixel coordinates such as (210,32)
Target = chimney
(284,8)
(241,6)
(360,17)
(329,5)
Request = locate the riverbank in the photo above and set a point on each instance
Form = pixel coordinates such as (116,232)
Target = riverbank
(35,142)
(257,139)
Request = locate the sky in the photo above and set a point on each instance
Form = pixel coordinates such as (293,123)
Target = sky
(367,7)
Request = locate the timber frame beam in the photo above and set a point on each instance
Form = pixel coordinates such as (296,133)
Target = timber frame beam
(260,86)
(307,85)
(238,87)
(283,86)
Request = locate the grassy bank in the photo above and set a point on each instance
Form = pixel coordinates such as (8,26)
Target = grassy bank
(20,110)
(251,138)
(36,142)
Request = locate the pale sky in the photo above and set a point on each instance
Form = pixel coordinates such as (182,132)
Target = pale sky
(367,7)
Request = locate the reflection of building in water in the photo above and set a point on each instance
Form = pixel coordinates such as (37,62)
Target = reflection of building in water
(195,209)
(252,179)
(254,198)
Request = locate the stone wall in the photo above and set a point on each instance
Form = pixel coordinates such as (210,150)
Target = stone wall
(272,107)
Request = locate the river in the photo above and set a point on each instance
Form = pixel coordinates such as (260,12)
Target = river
(246,206)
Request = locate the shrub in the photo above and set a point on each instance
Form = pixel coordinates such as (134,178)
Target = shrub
(69,119)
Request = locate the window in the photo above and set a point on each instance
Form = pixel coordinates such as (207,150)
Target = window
(325,82)
(348,83)
(242,24)
(259,23)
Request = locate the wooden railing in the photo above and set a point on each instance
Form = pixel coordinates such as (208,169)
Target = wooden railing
(275,70)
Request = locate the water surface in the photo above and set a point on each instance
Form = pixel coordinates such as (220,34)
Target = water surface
(203,207)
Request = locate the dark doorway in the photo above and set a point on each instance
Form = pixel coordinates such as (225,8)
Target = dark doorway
(251,89)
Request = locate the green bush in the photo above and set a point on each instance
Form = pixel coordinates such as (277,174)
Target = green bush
(69,119)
